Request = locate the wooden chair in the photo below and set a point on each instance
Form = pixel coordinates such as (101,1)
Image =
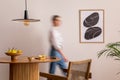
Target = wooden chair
(77,70)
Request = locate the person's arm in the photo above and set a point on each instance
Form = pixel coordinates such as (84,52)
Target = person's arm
(54,44)
(61,52)
(53,40)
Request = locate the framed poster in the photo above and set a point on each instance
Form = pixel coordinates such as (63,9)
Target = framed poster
(91,26)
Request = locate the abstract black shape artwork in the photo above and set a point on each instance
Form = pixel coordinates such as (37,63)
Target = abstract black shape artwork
(92,32)
(91,26)
(91,20)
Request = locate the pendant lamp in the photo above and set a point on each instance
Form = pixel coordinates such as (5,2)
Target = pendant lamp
(26,19)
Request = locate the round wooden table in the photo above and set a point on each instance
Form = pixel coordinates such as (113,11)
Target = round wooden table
(25,69)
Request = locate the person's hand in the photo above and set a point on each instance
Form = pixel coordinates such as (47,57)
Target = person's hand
(65,59)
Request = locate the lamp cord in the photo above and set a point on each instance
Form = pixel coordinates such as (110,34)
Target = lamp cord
(25,4)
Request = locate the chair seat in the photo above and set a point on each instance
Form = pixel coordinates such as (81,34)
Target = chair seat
(77,70)
(52,76)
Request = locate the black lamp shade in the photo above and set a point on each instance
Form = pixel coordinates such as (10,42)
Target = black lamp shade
(26,18)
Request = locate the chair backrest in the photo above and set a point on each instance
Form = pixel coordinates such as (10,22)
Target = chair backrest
(79,70)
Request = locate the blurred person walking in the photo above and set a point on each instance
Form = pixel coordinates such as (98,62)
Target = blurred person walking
(56,46)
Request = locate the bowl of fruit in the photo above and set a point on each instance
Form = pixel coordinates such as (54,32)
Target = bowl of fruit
(41,57)
(13,52)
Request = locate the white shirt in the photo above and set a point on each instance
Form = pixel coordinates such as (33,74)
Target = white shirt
(55,39)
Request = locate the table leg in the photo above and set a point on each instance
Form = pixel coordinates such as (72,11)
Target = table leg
(24,71)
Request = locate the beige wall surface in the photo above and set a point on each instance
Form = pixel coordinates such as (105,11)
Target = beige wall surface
(33,40)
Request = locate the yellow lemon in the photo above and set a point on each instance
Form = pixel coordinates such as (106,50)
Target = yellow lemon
(19,51)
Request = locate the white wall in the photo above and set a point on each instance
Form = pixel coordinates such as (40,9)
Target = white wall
(33,39)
